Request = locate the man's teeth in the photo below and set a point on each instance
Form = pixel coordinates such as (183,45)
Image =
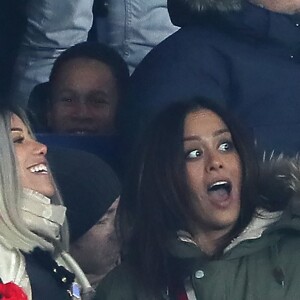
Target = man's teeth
(81,132)
(39,168)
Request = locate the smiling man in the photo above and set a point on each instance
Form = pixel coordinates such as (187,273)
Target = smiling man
(86,85)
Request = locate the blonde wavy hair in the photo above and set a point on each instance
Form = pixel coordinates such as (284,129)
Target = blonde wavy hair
(13,230)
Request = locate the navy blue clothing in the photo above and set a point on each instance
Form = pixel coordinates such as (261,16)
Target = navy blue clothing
(249,60)
(13,24)
(43,284)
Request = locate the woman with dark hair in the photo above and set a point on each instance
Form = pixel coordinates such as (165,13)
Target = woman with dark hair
(195,221)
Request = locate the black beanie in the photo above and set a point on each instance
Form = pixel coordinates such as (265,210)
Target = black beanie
(87,184)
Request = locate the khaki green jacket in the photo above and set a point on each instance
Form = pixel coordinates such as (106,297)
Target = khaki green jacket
(262,263)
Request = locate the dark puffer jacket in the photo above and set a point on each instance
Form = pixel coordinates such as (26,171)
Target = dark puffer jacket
(247,58)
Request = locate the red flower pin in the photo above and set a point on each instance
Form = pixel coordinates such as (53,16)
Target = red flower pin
(11,291)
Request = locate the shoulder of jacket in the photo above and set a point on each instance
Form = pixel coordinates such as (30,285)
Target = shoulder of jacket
(120,283)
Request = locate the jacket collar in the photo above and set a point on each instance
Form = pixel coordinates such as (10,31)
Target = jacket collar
(265,24)
(260,222)
(186,247)
(250,21)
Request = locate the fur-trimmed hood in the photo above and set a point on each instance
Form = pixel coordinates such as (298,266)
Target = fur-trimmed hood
(184,11)
(279,189)
(199,6)
(279,183)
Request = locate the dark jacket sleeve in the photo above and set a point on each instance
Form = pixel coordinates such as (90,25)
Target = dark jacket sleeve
(119,284)
(180,68)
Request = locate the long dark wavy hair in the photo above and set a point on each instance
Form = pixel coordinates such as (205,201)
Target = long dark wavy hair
(156,198)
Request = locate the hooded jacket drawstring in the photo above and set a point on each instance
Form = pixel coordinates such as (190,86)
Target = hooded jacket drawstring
(277,270)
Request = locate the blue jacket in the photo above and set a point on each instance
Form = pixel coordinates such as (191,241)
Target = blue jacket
(248,59)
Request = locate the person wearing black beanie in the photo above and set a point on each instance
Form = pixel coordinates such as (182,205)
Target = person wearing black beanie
(90,190)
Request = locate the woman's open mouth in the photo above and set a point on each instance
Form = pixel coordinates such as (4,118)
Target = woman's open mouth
(39,169)
(219,192)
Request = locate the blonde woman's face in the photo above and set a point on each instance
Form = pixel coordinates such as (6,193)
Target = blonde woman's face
(31,160)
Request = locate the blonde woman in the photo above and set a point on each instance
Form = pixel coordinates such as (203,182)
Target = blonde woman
(33,229)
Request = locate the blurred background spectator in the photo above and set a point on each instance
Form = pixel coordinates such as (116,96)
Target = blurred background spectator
(134,27)
(52,26)
(90,190)
(243,54)
(87,83)
(13,21)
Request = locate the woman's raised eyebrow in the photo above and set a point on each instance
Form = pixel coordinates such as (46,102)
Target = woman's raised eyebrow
(216,133)
(221,131)
(191,138)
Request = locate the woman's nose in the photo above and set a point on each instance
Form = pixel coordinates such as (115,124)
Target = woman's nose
(214,162)
(40,148)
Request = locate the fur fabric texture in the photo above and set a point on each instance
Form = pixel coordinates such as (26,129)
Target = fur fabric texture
(279,183)
(211,5)
(184,12)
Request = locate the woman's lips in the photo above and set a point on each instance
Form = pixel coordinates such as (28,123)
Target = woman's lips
(219,194)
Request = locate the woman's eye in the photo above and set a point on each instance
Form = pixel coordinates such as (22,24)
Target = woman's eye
(226,146)
(18,140)
(193,154)
(102,221)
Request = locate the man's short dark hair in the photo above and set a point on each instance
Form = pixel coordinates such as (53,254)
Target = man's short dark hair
(100,52)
